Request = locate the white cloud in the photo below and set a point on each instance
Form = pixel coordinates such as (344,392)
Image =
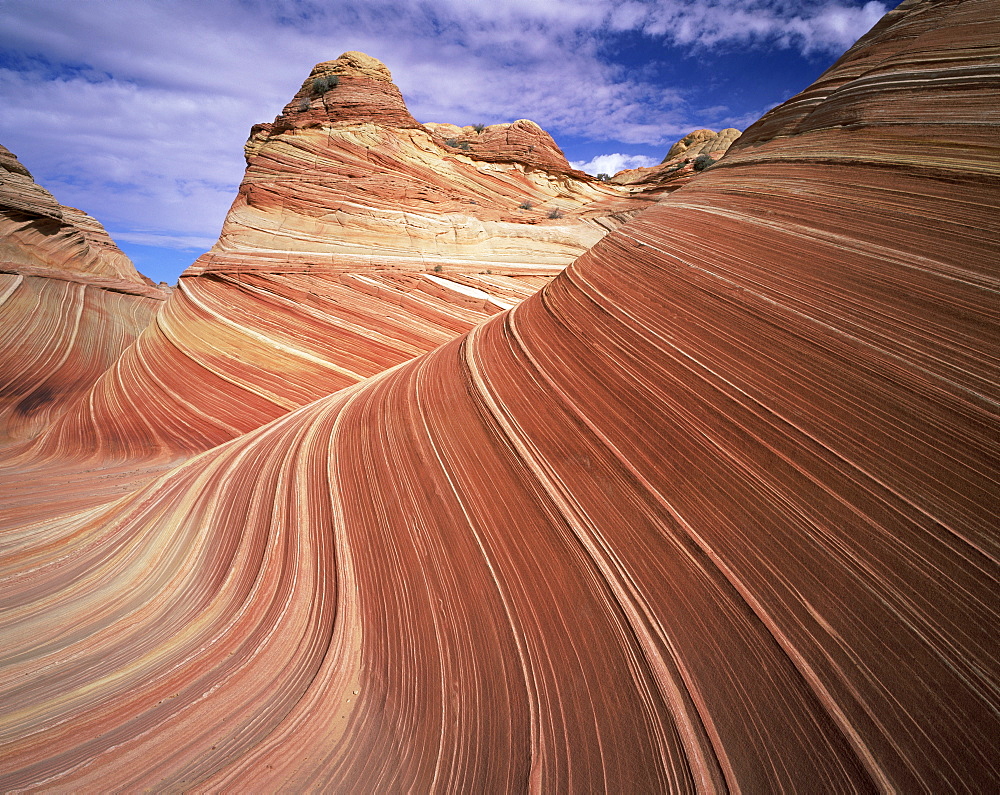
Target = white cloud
(613,163)
(808,26)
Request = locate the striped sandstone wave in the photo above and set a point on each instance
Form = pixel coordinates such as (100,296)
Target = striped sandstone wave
(715,510)
(358,240)
(70,303)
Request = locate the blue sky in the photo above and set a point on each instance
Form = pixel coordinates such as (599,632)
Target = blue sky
(136,111)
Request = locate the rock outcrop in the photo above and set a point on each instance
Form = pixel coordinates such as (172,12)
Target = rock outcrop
(70,303)
(693,153)
(694,140)
(40,236)
(716,510)
(358,240)
(522,142)
(345,178)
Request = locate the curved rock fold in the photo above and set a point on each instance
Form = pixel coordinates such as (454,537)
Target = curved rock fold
(714,510)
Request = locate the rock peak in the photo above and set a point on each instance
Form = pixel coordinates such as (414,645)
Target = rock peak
(354,64)
(347,90)
(40,236)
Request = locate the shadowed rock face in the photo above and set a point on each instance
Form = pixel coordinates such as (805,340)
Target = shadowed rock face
(714,510)
(70,303)
(40,236)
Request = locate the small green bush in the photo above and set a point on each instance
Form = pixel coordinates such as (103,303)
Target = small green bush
(525,206)
(556,213)
(438,269)
(479,128)
(463,145)
(320,85)
(703,161)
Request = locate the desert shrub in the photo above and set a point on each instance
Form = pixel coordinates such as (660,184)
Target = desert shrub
(703,161)
(463,145)
(524,206)
(303,105)
(438,269)
(556,213)
(603,177)
(320,85)
(479,127)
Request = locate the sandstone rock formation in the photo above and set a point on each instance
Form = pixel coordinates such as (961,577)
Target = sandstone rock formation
(716,510)
(40,236)
(345,178)
(70,302)
(692,141)
(692,153)
(359,239)
(521,142)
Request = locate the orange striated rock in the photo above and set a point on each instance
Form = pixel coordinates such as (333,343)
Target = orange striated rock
(231,352)
(353,88)
(40,236)
(70,303)
(716,510)
(522,142)
(359,239)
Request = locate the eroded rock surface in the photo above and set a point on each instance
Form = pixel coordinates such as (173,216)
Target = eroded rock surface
(345,178)
(716,510)
(70,303)
(358,240)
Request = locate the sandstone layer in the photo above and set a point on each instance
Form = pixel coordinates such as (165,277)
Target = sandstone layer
(39,236)
(359,239)
(715,510)
(346,178)
(70,303)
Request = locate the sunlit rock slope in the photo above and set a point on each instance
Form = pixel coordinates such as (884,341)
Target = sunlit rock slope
(716,510)
(70,302)
(345,176)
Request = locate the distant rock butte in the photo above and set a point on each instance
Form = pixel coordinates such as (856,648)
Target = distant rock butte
(522,142)
(39,236)
(70,303)
(680,165)
(693,140)
(345,177)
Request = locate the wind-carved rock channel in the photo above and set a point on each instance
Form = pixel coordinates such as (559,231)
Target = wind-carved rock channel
(411,487)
